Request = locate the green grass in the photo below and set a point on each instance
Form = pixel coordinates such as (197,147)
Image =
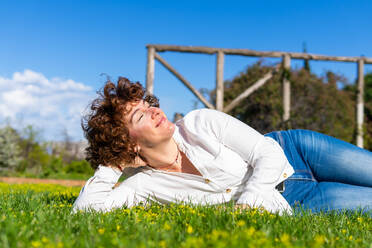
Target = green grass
(39,216)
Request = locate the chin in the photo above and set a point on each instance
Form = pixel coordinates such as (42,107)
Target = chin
(171,127)
(166,129)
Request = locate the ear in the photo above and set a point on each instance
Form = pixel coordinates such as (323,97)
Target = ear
(137,149)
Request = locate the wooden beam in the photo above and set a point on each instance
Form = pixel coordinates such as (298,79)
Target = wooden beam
(360,104)
(286,88)
(184,81)
(248,91)
(150,70)
(219,81)
(253,53)
(187,49)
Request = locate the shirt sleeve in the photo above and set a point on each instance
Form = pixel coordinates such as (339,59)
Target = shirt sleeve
(263,154)
(99,194)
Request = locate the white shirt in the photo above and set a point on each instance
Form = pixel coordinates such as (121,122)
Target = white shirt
(236,163)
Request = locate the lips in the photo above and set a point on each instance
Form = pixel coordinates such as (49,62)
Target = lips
(162,119)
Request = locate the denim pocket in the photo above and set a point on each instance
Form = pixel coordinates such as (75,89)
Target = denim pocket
(296,189)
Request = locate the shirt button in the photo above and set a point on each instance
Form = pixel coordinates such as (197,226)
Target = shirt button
(228,190)
(207,180)
(285,175)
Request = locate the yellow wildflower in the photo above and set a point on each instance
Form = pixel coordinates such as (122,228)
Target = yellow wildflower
(319,239)
(44,239)
(167,226)
(250,231)
(163,244)
(240,223)
(285,238)
(35,243)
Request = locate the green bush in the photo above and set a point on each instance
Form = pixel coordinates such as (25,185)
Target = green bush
(55,166)
(36,161)
(82,167)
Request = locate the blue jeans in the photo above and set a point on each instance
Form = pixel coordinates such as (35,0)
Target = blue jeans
(330,174)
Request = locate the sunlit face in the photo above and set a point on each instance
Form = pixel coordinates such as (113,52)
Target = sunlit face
(148,125)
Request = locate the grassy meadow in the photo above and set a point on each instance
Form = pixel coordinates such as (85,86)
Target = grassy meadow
(39,215)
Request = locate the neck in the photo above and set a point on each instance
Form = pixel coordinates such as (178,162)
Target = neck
(161,156)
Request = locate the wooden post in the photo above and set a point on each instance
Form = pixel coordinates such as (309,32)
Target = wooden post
(219,81)
(360,103)
(184,81)
(286,88)
(150,70)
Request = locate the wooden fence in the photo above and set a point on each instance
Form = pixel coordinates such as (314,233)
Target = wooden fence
(153,53)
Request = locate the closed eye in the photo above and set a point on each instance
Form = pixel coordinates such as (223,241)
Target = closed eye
(142,113)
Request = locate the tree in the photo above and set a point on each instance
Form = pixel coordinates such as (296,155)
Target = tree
(306,61)
(10,151)
(316,102)
(30,136)
(33,156)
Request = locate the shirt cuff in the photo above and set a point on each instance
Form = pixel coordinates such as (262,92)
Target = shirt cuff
(267,201)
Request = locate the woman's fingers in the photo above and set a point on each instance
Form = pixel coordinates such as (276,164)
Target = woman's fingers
(241,206)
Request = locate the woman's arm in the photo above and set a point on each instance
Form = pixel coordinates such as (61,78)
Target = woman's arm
(99,194)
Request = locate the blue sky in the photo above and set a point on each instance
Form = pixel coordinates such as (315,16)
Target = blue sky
(53,52)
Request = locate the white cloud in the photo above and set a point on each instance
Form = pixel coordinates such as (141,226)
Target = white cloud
(49,104)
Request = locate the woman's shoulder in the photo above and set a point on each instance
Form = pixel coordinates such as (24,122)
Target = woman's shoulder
(204,120)
(203,115)
(202,112)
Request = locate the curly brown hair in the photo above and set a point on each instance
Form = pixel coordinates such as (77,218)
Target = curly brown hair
(104,127)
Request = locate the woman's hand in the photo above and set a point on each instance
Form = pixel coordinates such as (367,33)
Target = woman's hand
(240,207)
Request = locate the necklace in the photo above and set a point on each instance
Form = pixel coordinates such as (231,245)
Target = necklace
(175,162)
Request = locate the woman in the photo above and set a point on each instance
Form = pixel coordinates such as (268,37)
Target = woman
(209,157)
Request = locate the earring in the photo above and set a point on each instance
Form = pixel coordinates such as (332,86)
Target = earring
(137,151)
